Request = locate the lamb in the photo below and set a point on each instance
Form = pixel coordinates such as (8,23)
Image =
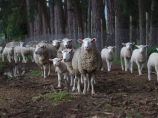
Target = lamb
(153,62)
(61,69)
(56,43)
(66,43)
(108,55)
(125,54)
(88,61)
(18,51)
(139,57)
(13,44)
(32,50)
(32,43)
(8,52)
(42,54)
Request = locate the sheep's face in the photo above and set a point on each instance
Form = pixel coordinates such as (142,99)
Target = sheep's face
(128,45)
(66,42)
(87,43)
(56,61)
(142,48)
(110,49)
(56,43)
(22,44)
(40,49)
(67,54)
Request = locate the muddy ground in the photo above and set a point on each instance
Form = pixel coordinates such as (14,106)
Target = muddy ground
(119,94)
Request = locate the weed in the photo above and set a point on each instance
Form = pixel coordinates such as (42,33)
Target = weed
(149,112)
(35,73)
(26,77)
(131,97)
(1,99)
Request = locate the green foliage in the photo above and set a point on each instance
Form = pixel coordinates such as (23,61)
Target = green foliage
(152,49)
(35,73)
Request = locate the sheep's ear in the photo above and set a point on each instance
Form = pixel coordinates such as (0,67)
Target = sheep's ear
(59,52)
(157,49)
(80,40)
(61,59)
(51,41)
(106,46)
(94,39)
(124,44)
(133,43)
(137,46)
(50,59)
(146,45)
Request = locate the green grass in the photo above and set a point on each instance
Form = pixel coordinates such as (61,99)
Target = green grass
(35,73)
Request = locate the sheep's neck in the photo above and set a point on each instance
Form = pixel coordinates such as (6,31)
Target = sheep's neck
(69,66)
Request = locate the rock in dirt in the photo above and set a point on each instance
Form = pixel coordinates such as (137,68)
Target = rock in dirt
(77,106)
(36,116)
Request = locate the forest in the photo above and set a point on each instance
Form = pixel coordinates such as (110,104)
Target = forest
(29,18)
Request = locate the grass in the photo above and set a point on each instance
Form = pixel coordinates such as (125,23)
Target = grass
(35,73)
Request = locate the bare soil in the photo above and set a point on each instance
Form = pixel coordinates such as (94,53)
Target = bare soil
(119,94)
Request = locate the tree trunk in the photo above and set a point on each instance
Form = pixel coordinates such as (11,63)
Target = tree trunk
(65,12)
(70,18)
(142,22)
(89,19)
(52,18)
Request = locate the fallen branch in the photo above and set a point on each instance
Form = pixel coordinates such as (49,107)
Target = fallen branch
(16,113)
(100,105)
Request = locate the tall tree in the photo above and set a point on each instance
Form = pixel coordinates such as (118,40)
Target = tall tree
(51,8)
(89,18)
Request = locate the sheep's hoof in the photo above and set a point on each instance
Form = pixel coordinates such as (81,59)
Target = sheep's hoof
(73,89)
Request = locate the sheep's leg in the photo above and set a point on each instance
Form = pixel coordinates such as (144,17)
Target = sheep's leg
(131,66)
(3,57)
(126,64)
(156,68)
(88,83)
(82,79)
(142,66)
(71,83)
(102,64)
(85,84)
(122,63)
(59,80)
(92,84)
(139,68)
(149,72)
(44,70)
(108,65)
(74,85)
(19,58)
(78,85)
(24,58)
(15,71)
(15,58)
(49,69)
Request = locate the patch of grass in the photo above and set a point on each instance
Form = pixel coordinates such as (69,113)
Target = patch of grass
(35,73)
(26,77)
(29,58)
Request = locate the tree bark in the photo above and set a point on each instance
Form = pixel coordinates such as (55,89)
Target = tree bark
(89,19)
(52,17)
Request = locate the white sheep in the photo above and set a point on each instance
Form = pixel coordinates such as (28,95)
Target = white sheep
(108,55)
(42,54)
(21,51)
(126,53)
(88,61)
(13,44)
(65,43)
(139,57)
(32,50)
(8,52)
(61,69)
(153,62)
(56,43)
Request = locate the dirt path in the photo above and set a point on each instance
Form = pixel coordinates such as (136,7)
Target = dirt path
(118,94)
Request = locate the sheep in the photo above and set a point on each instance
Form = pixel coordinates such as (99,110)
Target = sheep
(125,54)
(56,43)
(8,52)
(108,55)
(32,50)
(61,69)
(13,44)
(153,62)
(66,43)
(42,54)
(67,55)
(32,43)
(18,51)
(139,57)
(88,61)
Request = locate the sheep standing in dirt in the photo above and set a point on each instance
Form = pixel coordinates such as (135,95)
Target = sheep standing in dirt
(153,62)
(67,55)
(21,51)
(56,43)
(13,44)
(42,54)
(61,69)
(88,62)
(65,43)
(126,53)
(9,53)
(108,55)
(139,57)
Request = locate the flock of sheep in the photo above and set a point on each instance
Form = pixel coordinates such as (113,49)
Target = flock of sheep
(77,65)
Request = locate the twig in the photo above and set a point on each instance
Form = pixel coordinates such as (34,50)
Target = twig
(16,113)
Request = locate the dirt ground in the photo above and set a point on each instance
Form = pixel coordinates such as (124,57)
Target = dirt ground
(119,94)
